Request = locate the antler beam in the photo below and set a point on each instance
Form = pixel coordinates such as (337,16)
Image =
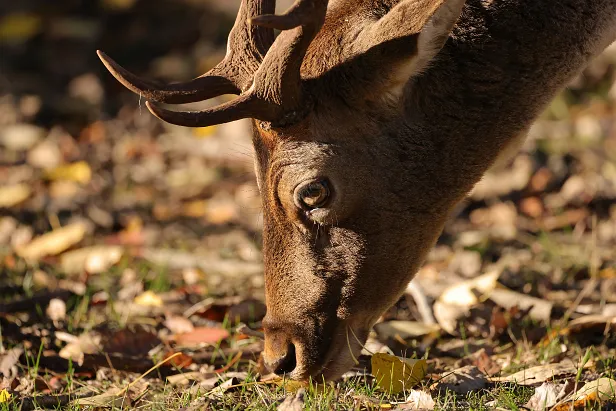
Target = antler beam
(263,71)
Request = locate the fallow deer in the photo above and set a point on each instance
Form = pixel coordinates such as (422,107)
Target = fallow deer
(372,119)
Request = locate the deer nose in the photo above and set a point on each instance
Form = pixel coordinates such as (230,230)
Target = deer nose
(279,353)
(285,363)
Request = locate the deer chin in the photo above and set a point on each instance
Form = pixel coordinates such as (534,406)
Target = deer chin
(343,354)
(338,358)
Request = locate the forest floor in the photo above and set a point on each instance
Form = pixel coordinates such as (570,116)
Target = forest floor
(130,252)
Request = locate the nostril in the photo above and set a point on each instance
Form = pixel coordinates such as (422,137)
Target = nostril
(288,362)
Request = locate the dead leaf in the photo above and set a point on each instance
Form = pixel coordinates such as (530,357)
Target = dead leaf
(112,398)
(566,219)
(148,299)
(484,362)
(13,195)
(45,155)
(179,360)
(56,310)
(456,301)
(405,329)
(178,324)
(135,340)
(364,402)
(78,172)
(8,362)
(186,378)
(418,400)
(540,309)
(597,391)
(87,343)
(539,373)
(467,263)
(53,243)
(201,335)
(545,396)
(94,260)
(395,374)
(219,391)
(532,206)
(462,380)
(293,402)
(592,327)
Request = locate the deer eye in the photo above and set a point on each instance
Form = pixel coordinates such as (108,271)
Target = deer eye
(311,195)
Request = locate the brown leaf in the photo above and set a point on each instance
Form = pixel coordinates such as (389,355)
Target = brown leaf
(18,137)
(539,373)
(53,243)
(94,260)
(545,396)
(594,328)
(404,329)
(178,324)
(483,361)
(148,299)
(457,300)
(56,310)
(87,343)
(540,309)
(13,195)
(566,219)
(293,402)
(419,401)
(532,206)
(594,392)
(114,398)
(134,341)
(462,380)
(179,360)
(8,361)
(201,335)
(219,391)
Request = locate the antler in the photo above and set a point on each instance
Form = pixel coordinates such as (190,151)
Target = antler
(263,71)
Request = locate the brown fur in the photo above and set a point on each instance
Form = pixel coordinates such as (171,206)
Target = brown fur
(402,112)
(398,169)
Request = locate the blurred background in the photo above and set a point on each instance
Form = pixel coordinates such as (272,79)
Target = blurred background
(177,206)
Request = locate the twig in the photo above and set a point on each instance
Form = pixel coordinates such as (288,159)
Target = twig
(158,365)
(246,330)
(235,359)
(414,289)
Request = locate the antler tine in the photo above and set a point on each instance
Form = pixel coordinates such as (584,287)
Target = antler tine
(207,86)
(247,46)
(276,94)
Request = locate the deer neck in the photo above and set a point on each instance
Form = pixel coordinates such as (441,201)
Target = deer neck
(502,65)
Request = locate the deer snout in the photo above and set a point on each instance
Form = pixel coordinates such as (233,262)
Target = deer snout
(279,354)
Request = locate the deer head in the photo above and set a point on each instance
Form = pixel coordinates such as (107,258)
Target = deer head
(352,196)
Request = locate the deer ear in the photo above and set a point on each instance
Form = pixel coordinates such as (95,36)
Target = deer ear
(429,40)
(435,32)
(391,50)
